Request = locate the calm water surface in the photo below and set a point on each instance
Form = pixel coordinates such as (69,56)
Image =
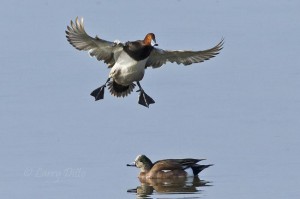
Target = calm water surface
(240,111)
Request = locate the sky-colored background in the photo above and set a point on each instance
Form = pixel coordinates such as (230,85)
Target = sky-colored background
(239,110)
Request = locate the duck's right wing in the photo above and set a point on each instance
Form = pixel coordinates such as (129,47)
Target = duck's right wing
(99,48)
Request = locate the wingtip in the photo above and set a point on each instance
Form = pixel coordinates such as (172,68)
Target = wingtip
(221,43)
(78,20)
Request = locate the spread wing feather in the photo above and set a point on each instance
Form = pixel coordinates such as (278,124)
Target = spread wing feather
(99,48)
(158,57)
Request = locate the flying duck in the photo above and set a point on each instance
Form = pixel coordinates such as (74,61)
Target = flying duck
(128,61)
(168,168)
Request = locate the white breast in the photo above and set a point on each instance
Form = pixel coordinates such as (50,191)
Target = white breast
(127,70)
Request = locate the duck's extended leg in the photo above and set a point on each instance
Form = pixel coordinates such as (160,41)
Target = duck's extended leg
(99,92)
(144,99)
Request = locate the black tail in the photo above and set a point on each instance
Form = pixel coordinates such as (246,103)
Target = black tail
(198,168)
(120,90)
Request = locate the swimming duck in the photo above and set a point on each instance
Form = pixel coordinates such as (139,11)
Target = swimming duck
(129,60)
(168,168)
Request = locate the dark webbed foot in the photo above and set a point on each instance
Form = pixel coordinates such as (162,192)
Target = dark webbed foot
(99,92)
(144,99)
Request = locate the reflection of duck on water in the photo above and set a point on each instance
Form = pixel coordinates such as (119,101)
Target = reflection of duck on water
(176,185)
(168,168)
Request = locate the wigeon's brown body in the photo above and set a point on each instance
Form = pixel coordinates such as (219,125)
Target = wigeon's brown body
(129,60)
(168,168)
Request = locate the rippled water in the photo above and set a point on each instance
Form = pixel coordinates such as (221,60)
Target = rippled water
(240,111)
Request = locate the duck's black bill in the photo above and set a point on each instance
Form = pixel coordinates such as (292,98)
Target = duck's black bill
(132,190)
(130,165)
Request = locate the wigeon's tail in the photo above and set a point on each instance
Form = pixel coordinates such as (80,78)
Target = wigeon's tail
(120,90)
(198,168)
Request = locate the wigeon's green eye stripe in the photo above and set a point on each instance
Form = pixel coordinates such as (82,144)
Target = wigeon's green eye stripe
(167,168)
(129,60)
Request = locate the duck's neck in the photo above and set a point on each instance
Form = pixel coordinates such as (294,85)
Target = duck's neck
(147,166)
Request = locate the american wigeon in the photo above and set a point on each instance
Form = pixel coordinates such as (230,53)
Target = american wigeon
(129,60)
(168,168)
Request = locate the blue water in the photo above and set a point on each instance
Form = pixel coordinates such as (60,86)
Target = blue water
(239,110)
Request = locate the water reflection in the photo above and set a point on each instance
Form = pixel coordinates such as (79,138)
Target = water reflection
(148,187)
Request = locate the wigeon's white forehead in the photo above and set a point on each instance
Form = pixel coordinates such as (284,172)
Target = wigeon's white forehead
(138,157)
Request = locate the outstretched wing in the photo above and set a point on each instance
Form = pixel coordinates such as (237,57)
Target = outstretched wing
(158,57)
(99,48)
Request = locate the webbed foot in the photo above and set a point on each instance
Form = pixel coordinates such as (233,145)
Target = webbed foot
(99,92)
(144,99)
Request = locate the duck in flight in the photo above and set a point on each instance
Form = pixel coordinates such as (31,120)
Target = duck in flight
(128,61)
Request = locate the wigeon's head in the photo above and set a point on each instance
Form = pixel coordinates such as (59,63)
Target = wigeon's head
(149,38)
(142,162)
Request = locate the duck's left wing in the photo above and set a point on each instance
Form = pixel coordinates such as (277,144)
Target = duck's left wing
(185,162)
(158,57)
(166,165)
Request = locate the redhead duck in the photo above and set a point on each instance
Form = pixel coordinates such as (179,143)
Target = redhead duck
(129,60)
(168,168)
